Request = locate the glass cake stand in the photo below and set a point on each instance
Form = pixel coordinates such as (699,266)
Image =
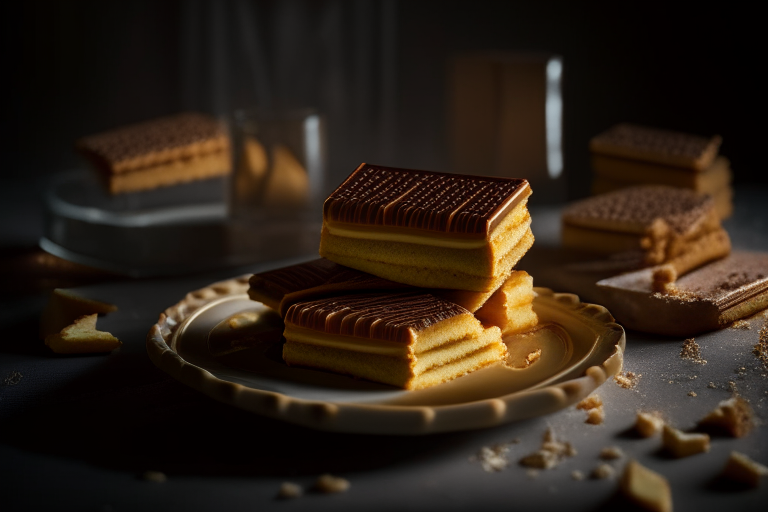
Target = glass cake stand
(171,230)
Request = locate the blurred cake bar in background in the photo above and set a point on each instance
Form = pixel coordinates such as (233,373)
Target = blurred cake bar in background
(161,152)
(408,340)
(627,155)
(428,229)
(661,225)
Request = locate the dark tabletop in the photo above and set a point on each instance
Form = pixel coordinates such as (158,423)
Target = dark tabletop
(80,432)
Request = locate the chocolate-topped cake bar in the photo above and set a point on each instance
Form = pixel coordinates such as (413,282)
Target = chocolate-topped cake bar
(410,340)
(428,229)
(663,225)
(509,307)
(627,155)
(161,152)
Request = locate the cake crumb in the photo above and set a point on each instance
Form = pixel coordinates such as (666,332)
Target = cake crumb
(711,385)
(595,416)
(692,393)
(611,453)
(577,475)
(12,378)
(493,458)
(691,351)
(328,484)
(627,380)
(551,453)
(733,416)
(157,477)
(590,402)
(680,444)
(593,404)
(741,324)
(740,468)
(732,387)
(647,488)
(289,490)
(603,472)
(532,357)
(648,424)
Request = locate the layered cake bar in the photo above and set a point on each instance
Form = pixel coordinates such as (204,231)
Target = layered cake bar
(673,226)
(408,340)
(510,307)
(663,147)
(280,288)
(628,155)
(428,229)
(161,152)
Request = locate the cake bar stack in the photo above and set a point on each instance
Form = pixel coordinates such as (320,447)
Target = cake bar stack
(628,155)
(408,257)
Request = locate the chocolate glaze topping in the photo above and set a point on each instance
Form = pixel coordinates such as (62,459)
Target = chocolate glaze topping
(391,317)
(680,208)
(143,138)
(431,201)
(655,142)
(315,273)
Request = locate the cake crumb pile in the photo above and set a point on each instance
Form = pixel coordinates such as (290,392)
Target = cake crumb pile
(594,406)
(761,349)
(627,380)
(692,352)
(551,453)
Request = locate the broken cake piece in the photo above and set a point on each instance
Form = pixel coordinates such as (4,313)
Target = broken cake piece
(733,416)
(511,306)
(64,307)
(647,488)
(408,340)
(428,229)
(82,338)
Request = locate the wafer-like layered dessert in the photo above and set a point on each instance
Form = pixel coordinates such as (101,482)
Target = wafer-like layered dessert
(509,307)
(664,225)
(161,152)
(627,155)
(428,229)
(408,340)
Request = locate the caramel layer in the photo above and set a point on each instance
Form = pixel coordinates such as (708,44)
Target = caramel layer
(393,317)
(423,201)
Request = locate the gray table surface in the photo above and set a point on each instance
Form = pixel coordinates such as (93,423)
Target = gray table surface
(77,433)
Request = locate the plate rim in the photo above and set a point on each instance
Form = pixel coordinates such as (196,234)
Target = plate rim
(380,418)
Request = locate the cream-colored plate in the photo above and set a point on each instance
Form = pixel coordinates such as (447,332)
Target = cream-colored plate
(219,342)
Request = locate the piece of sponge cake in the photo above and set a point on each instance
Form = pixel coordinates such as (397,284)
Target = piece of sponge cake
(408,340)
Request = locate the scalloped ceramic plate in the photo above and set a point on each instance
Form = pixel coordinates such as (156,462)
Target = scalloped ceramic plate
(219,342)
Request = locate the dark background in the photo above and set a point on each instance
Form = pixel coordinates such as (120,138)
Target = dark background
(376,69)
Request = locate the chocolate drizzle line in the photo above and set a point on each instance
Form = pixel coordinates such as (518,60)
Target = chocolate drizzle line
(319,272)
(431,201)
(390,317)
